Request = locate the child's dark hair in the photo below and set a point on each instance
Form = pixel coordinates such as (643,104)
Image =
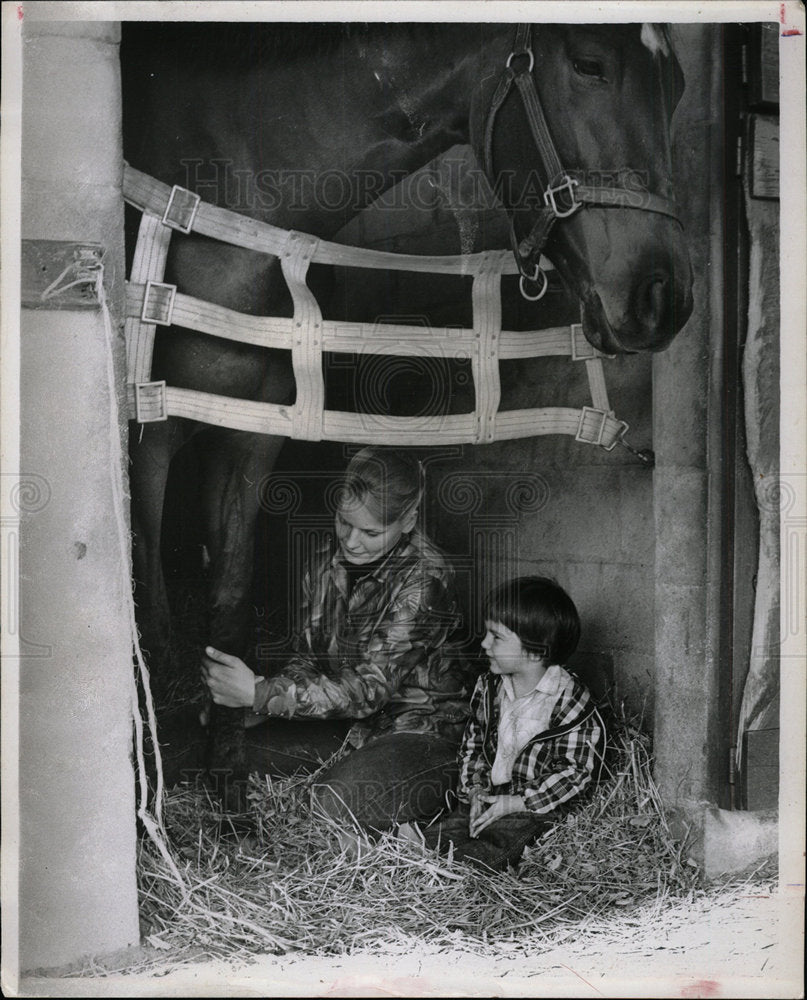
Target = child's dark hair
(541,614)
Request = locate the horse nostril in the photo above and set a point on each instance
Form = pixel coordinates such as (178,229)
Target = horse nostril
(653,302)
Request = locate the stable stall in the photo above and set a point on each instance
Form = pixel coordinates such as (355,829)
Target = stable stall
(657,541)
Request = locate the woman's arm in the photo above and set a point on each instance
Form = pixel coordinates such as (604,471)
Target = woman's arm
(417,622)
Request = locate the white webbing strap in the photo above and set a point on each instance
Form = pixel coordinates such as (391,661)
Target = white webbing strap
(153,401)
(154,197)
(596,383)
(587,425)
(487,328)
(306,345)
(582,350)
(150,255)
(206,317)
(349,337)
(608,430)
(224,411)
(151,302)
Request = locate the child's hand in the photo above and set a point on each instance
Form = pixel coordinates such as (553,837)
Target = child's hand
(230,680)
(497,806)
(477,805)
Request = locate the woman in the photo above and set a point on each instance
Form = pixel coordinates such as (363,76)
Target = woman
(378,608)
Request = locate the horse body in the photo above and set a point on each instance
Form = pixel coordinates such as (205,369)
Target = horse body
(304,138)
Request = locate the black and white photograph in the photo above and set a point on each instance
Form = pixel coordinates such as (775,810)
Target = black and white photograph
(403,498)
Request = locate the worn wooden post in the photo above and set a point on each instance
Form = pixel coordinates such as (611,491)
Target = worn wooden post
(76,834)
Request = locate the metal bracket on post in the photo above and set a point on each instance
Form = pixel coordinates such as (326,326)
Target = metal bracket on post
(59,274)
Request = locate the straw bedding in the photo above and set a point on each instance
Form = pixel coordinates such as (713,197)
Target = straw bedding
(287,886)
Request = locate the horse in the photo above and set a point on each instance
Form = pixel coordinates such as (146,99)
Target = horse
(304,125)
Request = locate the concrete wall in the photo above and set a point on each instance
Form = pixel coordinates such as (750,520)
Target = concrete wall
(687,402)
(76,804)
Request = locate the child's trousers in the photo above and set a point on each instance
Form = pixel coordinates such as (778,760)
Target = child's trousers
(497,846)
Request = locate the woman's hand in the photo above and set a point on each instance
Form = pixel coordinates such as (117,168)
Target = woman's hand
(497,806)
(230,680)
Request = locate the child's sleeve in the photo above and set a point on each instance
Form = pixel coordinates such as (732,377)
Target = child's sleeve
(563,768)
(474,769)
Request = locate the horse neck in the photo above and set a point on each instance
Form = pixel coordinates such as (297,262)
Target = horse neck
(439,77)
(402,98)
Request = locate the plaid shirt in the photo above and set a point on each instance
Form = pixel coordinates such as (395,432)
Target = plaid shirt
(379,653)
(546,773)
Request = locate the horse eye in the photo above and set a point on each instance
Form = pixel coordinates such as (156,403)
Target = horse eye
(589,67)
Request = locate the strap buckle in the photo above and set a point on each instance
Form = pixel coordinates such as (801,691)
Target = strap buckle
(581,349)
(596,433)
(181,209)
(158,303)
(150,402)
(567,186)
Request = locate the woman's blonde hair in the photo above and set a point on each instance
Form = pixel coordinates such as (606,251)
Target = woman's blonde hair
(387,481)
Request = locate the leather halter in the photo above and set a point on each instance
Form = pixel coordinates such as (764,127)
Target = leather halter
(564,195)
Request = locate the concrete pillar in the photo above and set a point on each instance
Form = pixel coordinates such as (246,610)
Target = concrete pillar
(687,440)
(77,838)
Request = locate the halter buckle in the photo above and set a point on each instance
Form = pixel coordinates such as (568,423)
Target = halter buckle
(567,186)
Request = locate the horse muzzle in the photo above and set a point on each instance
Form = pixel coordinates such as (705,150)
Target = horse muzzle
(637,300)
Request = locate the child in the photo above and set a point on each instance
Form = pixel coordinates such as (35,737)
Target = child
(534,736)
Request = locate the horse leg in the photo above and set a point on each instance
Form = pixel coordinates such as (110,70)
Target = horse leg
(233,465)
(151,449)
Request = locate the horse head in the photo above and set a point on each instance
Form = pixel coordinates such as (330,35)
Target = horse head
(575,136)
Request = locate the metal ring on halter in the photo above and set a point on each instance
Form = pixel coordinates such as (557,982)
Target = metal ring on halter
(524,52)
(539,273)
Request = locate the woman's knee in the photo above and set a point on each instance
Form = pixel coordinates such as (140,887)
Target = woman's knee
(347,803)
(327,802)
(400,778)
